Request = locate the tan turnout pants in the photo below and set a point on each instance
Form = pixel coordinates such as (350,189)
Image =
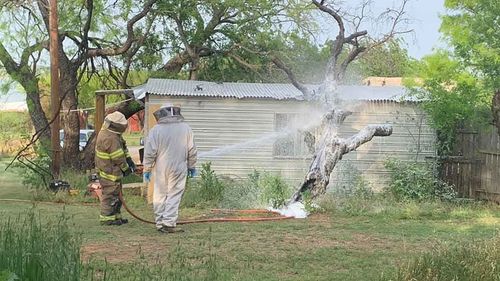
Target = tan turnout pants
(110,201)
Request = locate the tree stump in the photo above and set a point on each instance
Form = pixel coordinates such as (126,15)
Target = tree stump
(329,150)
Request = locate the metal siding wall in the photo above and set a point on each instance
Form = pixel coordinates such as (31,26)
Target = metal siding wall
(222,122)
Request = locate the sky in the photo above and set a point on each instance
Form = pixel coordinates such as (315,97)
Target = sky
(423,14)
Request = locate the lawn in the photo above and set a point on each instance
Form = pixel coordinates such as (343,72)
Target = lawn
(332,245)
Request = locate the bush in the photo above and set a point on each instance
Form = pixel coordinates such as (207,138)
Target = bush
(35,171)
(34,251)
(275,191)
(210,187)
(258,190)
(206,191)
(416,181)
(473,261)
(350,183)
(242,194)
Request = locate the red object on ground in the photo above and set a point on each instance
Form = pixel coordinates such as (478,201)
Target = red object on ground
(95,190)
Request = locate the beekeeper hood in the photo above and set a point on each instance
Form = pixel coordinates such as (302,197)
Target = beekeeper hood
(115,122)
(167,110)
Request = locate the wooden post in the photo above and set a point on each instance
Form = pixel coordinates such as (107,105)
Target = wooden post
(54,89)
(99,111)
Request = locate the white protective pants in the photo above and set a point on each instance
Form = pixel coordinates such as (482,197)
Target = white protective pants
(167,197)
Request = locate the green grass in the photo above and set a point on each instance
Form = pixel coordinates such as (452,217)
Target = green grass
(338,244)
(132,139)
(10,183)
(478,260)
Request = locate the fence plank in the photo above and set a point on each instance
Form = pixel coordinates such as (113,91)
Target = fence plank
(475,173)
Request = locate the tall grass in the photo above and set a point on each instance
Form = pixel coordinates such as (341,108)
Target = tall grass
(474,261)
(33,251)
(383,205)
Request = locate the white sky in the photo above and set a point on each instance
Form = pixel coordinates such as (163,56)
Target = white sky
(424,16)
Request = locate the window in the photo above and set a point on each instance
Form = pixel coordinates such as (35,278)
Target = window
(291,144)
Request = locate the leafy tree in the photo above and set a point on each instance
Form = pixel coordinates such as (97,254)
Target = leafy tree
(91,35)
(457,86)
(451,95)
(206,37)
(471,27)
(386,60)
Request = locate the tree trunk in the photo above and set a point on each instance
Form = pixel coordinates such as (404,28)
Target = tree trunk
(175,64)
(329,150)
(24,75)
(69,114)
(193,71)
(37,115)
(495,108)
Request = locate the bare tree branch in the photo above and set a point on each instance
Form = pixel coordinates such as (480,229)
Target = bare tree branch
(92,52)
(291,76)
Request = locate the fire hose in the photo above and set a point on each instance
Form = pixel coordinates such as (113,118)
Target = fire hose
(277,216)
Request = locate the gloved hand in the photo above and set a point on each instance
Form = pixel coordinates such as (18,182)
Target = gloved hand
(131,164)
(147,176)
(191,172)
(127,172)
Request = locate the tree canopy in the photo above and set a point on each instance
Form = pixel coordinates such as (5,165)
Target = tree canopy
(458,85)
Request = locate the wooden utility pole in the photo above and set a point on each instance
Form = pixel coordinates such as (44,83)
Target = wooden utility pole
(54,88)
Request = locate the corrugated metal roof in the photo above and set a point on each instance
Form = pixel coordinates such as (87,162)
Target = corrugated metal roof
(276,91)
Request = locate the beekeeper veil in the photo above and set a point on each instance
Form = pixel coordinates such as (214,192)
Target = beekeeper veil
(115,122)
(167,110)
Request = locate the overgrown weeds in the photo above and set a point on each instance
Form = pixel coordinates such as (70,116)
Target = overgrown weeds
(477,260)
(30,250)
(383,205)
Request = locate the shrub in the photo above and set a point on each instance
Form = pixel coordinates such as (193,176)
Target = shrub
(241,194)
(35,171)
(258,190)
(14,125)
(472,261)
(275,191)
(416,181)
(350,183)
(205,191)
(211,187)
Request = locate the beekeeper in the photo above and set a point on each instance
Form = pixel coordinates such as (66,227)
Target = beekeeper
(170,153)
(112,161)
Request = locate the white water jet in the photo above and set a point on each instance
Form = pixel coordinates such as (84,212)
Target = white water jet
(296,210)
(309,120)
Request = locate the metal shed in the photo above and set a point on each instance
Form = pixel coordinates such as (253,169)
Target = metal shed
(240,127)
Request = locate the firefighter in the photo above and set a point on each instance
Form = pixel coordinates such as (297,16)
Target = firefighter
(112,161)
(170,153)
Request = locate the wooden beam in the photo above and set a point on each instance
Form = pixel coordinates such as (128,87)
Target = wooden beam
(99,112)
(54,89)
(114,92)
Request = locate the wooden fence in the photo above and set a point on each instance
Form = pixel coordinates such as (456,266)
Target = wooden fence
(475,170)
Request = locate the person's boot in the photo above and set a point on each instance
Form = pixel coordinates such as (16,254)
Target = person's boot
(124,221)
(170,229)
(113,222)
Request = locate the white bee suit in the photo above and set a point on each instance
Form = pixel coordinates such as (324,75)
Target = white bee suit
(168,152)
